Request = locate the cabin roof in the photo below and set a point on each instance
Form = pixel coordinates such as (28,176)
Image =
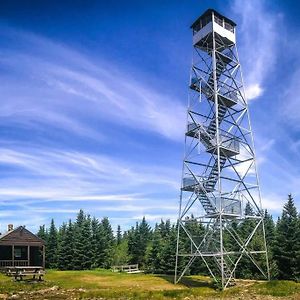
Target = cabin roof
(209,12)
(20,235)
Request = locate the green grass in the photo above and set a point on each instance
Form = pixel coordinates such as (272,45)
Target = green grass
(279,288)
(105,284)
(7,285)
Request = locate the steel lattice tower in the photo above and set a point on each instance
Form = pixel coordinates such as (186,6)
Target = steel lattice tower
(220,186)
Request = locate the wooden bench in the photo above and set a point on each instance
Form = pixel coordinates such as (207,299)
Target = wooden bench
(127,268)
(19,272)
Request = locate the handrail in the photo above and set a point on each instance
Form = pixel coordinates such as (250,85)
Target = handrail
(11,263)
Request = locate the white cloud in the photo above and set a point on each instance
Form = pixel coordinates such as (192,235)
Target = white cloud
(258,33)
(156,218)
(291,108)
(64,98)
(273,203)
(58,86)
(50,182)
(253,91)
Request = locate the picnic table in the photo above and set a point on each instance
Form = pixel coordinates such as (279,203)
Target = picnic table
(20,272)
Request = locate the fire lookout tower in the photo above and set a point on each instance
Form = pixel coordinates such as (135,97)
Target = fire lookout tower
(220,186)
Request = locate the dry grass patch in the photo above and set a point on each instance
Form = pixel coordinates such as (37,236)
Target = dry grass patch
(104,284)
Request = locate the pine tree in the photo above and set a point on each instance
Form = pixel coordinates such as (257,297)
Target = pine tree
(144,235)
(42,233)
(285,250)
(87,245)
(95,238)
(51,249)
(168,255)
(246,268)
(68,251)
(107,243)
(132,243)
(61,244)
(297,252)
(197,231)
(154,252)
(119,235)
(269,229)
(138,241)
(270,240)
(79,241)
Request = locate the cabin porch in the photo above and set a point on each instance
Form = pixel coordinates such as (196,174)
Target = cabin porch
(22,255)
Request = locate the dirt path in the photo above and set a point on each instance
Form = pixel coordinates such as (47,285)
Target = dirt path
(76,294)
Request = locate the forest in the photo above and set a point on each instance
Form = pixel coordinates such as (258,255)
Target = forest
(89,243)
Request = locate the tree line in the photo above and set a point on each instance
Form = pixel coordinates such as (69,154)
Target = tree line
(88,243)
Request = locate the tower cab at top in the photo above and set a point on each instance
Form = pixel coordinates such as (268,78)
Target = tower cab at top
(213,22)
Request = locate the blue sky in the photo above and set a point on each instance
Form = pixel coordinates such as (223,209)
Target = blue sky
(94,98)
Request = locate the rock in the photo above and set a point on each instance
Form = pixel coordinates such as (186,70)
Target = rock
(52,289)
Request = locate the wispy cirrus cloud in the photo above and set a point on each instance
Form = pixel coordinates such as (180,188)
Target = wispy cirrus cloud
(290,111)
(65,98)
(60,87)
(258,34)
(42,165)
(43,181)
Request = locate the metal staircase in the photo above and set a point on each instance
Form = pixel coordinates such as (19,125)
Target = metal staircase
(214,245)
(226,270)
(209,89)
(211,129)
(213,176)
(208,205)
(207,136)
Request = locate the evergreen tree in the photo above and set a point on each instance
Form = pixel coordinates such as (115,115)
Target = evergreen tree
(61,244)
(119,235)
(270,230)
(246,268)
(132,243)
(108,241)
(95,238)
(297,251)
(138,241)
(154,252)
(197,232)
(120,253)
(51,249)
(270,240)
(285,250)
(168,254)
(68,244)
(42,233)
(82,242)
(87,248)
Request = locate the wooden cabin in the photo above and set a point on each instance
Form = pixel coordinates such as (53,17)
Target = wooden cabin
(20,247)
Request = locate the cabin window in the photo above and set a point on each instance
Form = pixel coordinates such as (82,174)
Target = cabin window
(206,20)
(201,23)
(218,20)
(18,253)
(196,28)
(229,27)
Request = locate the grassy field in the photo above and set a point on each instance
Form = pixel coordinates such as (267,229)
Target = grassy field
(103,284)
